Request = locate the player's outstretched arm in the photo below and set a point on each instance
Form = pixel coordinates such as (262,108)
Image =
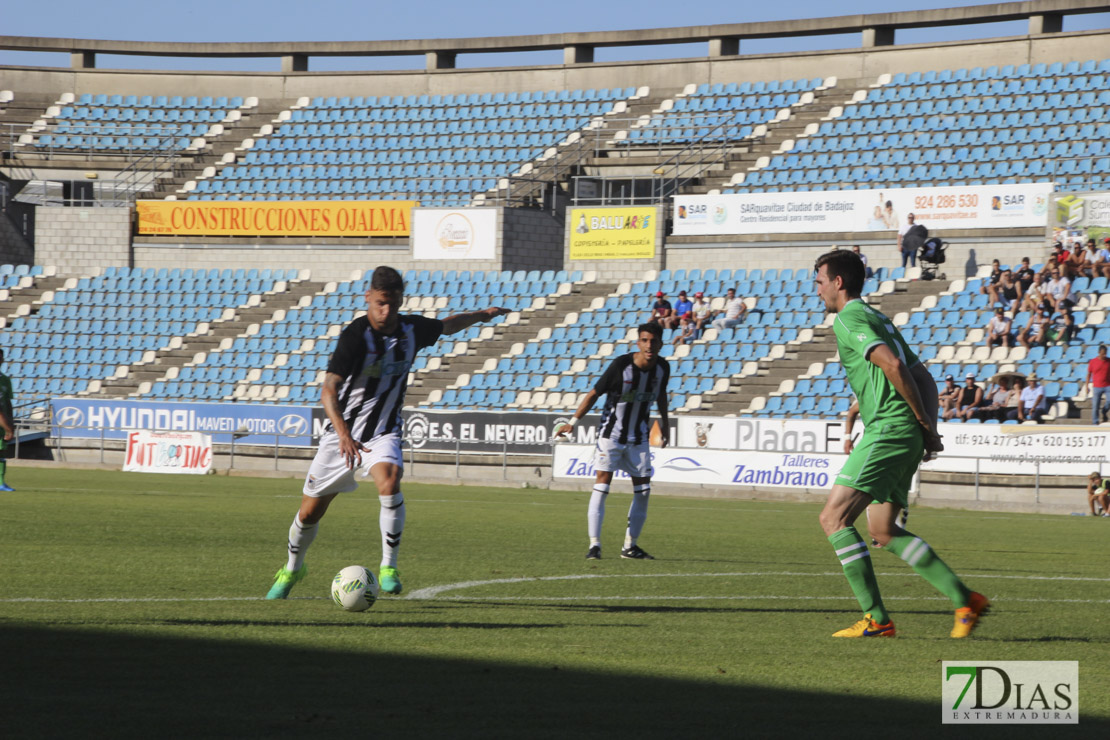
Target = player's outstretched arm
(583,409)
(460,321)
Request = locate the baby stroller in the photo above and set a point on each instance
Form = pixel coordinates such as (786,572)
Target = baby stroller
(930,256)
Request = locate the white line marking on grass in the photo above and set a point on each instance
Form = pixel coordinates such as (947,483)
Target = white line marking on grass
(432,592)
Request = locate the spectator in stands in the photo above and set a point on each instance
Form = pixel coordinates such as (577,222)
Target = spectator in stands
(949,395)
(1058,291)
(1005,291)
(734,313)
(1098,381)
(1062,328)
(7,422)
(908,242)
(1101,265)
(1034,298)
(1058,257)
(1035,332)
(687,332)
(1090,257)
(1033,402)
(971,396)
(1098,495)
(1076,263)
(701,312)
(863,258)
(661,310)
(999,329)
(992,279)
(1024,275)
(994,404)
(682,306)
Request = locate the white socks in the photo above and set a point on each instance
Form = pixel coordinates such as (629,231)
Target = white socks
(596,513)
(301,536)
(392,523)
(637,513)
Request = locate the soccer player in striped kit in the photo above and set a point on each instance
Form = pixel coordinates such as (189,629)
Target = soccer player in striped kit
(362,395)
(630,385)
(898,404)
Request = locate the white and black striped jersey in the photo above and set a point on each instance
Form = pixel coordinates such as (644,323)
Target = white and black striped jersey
(629,393)
(375,369)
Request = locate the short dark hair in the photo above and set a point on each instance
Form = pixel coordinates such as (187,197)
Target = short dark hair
(387,280)
(845,265)
(651,328)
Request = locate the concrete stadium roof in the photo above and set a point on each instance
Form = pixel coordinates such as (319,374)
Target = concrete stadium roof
(877,29)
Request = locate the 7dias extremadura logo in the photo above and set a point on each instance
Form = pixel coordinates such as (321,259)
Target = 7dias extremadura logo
(1015,692)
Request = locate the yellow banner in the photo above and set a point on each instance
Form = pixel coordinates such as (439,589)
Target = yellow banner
(275,217)
(612,233)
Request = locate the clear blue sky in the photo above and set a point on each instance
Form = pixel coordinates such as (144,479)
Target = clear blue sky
(353,20)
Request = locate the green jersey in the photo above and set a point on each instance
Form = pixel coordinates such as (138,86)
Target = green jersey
(860,329)
(5,394)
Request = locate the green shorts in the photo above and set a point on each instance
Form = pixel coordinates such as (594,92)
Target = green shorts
(884,462)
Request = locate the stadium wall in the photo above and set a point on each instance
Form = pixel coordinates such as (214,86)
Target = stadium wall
(82,240)
(866,63)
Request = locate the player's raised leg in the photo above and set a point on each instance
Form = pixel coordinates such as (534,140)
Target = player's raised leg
(837,519)
(916,552)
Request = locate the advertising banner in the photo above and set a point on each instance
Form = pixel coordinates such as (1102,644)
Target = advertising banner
(714,467)
(260,424)
(1022,450)
(168,452)
(990,448)
(487,431)
(454,234)
(275,217)
(965,207)
(1083,215)
(612,233)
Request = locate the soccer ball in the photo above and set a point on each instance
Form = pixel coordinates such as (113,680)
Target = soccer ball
(355,588)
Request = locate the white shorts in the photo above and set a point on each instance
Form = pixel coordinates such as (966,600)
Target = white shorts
(329,473)
(613,456)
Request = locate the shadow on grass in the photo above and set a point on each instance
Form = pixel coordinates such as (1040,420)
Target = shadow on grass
(103,684)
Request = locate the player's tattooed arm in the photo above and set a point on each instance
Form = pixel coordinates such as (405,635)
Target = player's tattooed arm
(329,399)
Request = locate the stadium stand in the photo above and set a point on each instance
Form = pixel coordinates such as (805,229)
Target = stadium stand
(956,127)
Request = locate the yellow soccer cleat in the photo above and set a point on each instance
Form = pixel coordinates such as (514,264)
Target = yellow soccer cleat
(867,627)
(968,616)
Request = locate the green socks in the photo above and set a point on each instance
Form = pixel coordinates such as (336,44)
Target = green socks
(855,559)
(917,553)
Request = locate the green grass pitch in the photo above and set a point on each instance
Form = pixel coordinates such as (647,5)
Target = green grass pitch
(130,607)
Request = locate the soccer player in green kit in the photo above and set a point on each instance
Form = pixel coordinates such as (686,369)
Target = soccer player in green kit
(898,405)
(7,422)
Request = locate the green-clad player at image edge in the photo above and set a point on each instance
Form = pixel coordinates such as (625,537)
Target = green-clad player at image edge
(7,421)
(897,400)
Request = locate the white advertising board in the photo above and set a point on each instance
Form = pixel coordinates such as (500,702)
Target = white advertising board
(464,234)
(966,207)
(168,452)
